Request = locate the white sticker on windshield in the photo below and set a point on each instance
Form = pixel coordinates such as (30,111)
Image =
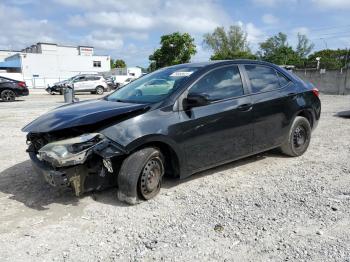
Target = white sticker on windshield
(181,73)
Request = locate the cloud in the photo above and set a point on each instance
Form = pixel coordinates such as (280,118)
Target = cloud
(273,3)
(301,30)
(270,19)
(193,16)
(103,39)
(254,34)
(334,4)
(24,31)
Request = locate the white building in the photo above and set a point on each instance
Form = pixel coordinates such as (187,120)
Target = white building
(44,63)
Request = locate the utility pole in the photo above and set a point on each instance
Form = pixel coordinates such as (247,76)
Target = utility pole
(346,69)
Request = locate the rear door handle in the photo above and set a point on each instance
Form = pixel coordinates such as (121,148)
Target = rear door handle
(245,107)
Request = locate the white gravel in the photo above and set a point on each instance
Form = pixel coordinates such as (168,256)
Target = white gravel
(264,208)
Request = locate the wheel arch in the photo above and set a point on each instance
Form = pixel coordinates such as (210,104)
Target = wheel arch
(172,154)
(307,113)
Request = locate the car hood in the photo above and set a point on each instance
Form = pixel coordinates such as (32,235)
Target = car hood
(60,82)
(84,113)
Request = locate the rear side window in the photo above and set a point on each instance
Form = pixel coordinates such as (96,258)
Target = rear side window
(262,78)
(283,80)
(4,80)
(220,84)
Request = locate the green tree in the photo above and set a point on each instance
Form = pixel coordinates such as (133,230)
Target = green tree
(176,48)
(330,59)
(277,50)
(119,63)
(112,63)
(304,46)
(232,44)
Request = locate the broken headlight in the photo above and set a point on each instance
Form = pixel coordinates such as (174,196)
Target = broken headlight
(70,151)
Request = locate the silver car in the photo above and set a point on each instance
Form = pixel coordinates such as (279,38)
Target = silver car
(95,84)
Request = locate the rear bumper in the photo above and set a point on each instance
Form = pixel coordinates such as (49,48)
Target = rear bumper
(23,92)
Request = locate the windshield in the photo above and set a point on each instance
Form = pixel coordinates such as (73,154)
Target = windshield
(153,87)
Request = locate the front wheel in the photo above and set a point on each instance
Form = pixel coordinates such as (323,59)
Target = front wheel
(99,90)
(298,139)
(140,176)
(8,96)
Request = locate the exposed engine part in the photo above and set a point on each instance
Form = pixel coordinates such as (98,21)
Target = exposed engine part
(108,164)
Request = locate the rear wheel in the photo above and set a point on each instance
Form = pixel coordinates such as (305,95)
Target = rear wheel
(298,139)
(99,90)
(140,176)
(8,96)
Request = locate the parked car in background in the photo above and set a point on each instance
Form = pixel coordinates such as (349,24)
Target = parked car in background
(57,88)
(127,81)
(95,84)
(175,121)
(11,88)
(110,83)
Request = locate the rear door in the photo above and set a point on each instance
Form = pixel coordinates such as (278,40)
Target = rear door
(274,98)
(222,130)
(91,83)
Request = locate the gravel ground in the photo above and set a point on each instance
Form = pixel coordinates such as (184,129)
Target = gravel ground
(264,208)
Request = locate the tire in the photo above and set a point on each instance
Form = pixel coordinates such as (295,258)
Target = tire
(140,176)
(298,139)
(99,90)
(8,95)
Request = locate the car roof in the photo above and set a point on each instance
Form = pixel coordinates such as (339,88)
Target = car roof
(9,79)
(212,64)
(219,62)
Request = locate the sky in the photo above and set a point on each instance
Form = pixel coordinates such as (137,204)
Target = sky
(131,30)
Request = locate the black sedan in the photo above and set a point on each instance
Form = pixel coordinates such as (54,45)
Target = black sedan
(199,116)
(10,89)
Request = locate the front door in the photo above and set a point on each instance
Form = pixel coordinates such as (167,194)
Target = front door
(79,83)
(222,130)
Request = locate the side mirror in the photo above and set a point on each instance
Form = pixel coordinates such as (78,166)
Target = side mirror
(195,100)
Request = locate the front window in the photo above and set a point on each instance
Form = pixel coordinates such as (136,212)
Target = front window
(153,87)
(221,83)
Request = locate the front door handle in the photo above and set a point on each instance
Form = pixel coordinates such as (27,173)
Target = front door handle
(245,107)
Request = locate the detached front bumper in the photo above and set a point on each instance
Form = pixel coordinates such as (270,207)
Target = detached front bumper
(60,178)
(97,172)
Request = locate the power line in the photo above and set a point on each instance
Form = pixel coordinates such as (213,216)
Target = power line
(328,28)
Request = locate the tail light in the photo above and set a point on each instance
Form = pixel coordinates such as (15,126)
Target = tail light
(21,84)
(315,91)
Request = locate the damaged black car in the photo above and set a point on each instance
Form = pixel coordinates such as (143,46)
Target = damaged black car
(175,122)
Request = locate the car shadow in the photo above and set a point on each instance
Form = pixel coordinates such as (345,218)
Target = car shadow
(17,100)
(22,184)
(25,186)
(343,114)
